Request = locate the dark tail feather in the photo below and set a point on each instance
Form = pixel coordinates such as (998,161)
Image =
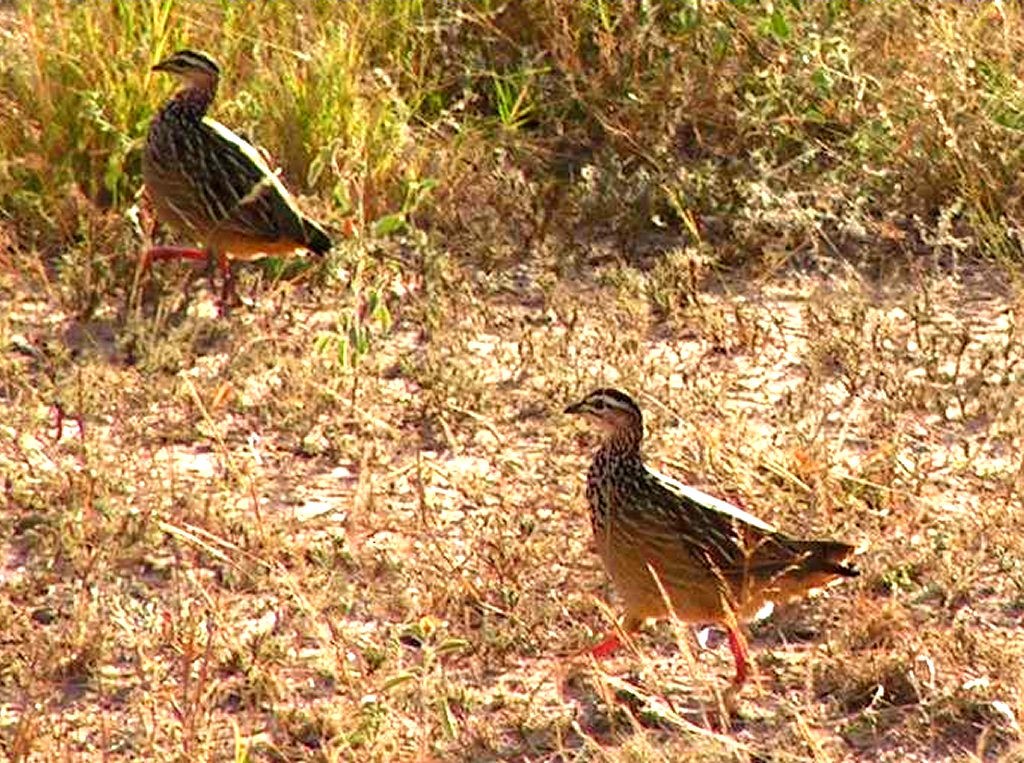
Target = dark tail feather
(317,240)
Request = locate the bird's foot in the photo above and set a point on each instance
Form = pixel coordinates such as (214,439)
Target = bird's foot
(607,647)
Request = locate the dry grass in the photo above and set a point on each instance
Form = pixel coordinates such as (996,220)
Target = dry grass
(268,553)
(348,523)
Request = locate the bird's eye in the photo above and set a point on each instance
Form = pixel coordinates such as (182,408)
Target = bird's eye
(599,405)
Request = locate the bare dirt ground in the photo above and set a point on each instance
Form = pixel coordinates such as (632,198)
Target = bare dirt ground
(236,546)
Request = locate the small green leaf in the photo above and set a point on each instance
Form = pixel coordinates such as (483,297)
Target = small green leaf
(822,81)
(389,224)
(448,721)
(779,26)
(399,679)
(383,316)
(451,645)
(322,342)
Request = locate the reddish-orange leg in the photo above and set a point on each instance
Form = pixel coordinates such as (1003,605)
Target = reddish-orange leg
(607,647)
(738,645)
(58,423)
(159,253)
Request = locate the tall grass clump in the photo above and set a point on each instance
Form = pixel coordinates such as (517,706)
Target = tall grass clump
(748,127)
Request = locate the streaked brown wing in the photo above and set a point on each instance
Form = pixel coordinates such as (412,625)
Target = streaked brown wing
(244,196)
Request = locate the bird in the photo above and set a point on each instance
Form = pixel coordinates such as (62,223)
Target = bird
(212,185)
(672,550)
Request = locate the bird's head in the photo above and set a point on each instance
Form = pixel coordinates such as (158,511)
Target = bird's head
(192,66)
(611,409)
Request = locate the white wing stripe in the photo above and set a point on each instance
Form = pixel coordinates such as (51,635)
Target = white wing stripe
(709,501)
(253,156)
(256,192)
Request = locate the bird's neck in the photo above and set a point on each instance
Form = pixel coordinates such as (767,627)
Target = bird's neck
(193,100)
(620,447)
(616,462)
